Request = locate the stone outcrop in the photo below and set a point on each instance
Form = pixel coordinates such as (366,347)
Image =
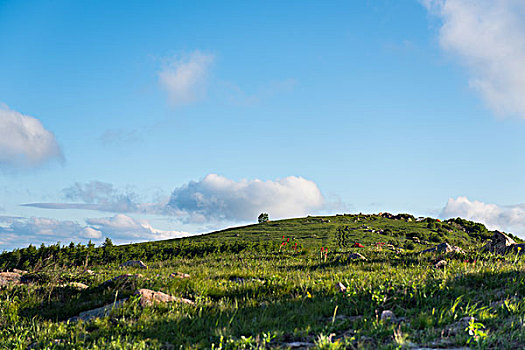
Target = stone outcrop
(148,297)
(501,244)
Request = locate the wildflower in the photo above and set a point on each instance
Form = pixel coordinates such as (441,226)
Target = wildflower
(288,240)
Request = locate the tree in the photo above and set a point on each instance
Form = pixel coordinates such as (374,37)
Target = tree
(263,218)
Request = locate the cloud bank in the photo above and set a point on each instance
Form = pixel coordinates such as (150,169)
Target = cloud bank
(24,142)
(184,78)
(218,198)
(23,231)
(124,228)
(488,36)
(505,218)
(18,231)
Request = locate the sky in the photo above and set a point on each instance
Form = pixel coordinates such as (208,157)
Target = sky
(142,120)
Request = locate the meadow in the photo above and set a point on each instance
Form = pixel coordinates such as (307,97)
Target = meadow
(289,284)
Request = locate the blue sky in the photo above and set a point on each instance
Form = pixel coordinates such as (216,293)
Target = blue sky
(138,121)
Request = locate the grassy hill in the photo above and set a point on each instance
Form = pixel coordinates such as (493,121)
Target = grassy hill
(269,286)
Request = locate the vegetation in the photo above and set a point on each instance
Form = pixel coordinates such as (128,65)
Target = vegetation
(264,217)
(273,284)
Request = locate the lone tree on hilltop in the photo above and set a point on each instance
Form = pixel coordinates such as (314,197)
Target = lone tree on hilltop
(263,218)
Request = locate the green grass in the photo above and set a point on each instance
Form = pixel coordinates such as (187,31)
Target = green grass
(271,296)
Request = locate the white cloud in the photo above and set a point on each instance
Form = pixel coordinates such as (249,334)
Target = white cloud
(123,228)
(24,142)
(218,198)
(505,218)
(184,78)
(101,196)
(18,231)
(488,36)
(89,232)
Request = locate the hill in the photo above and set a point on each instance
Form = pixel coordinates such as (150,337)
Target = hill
(338,233)
(269,285)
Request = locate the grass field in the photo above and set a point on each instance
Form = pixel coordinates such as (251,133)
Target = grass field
(252,291)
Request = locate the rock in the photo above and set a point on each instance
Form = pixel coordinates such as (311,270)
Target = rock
(340,287)
(458,250)
(121,278)
(457,327)
(98,312)
(388,315)
(298,345)
(518,248)
(75,285)
(89,272)
(9,278)
(440,248)
(356,256)
(499,244)
(179,275)
(148,296)
(440,264)
(134,263)
(21,272)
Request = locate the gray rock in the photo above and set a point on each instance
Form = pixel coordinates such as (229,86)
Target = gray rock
(298,345)
(440,248)
(356,256)
(134,263)
(388,315)
(340,287)
(98,312)
(499,244)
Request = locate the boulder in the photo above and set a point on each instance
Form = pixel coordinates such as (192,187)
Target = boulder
(356,256)
(134,263)
(98,312)
(179,275)
(9,278)
(340,287)
(440,264)
(75,285)
(388,315)
(518,248)
(500,243)
(443,248)
(148,296)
